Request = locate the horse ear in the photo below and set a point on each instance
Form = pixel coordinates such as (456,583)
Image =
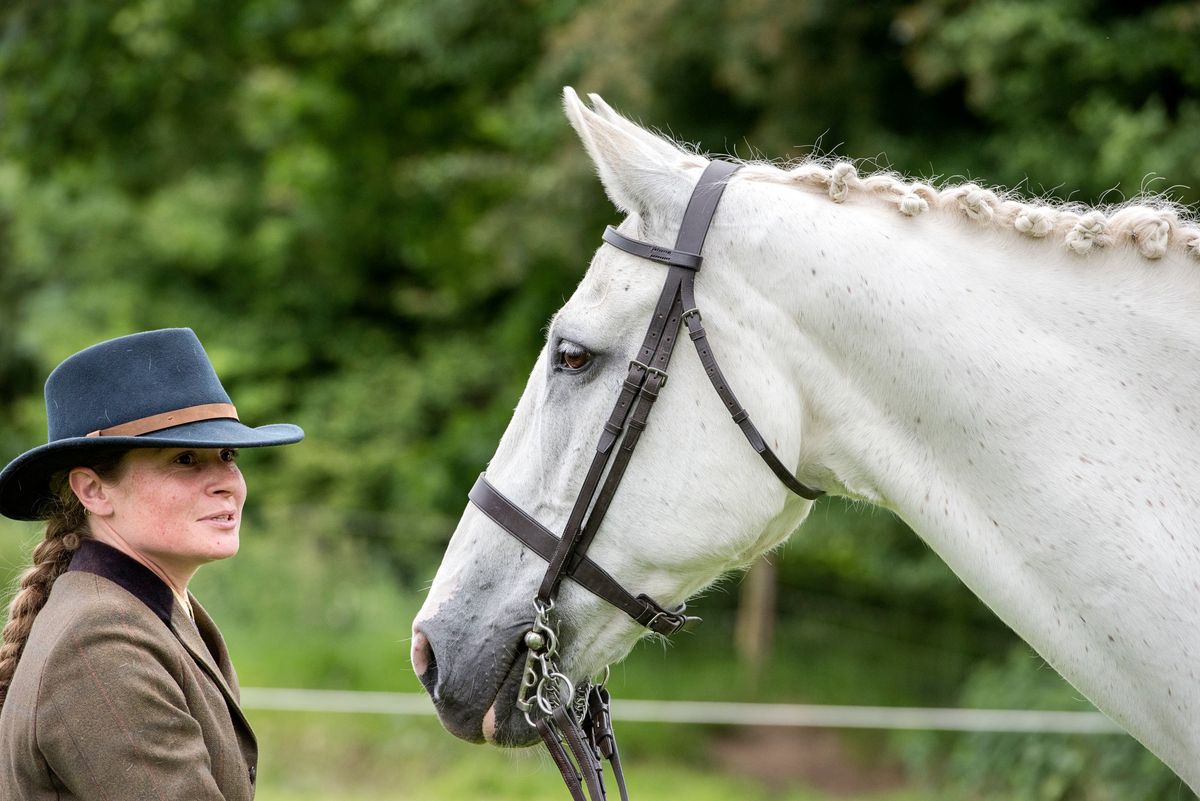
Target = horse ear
(642,173)
(648,138)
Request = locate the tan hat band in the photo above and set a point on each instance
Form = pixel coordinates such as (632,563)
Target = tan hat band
(157,422)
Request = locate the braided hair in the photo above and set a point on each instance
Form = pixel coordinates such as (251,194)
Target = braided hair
(66,528)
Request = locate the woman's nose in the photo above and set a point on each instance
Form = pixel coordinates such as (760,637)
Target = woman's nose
(226,479)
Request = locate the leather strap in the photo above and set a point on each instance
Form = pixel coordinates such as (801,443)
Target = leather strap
(675,258)
(702,205)
(581,749)
(598,729)
(637,424)
(157,422)
(586,744)
(708,196)
(554,745)
(582,570)
(640,370)
(739,414)
(648,370)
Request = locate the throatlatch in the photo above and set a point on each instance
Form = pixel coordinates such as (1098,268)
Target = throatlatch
(574,721)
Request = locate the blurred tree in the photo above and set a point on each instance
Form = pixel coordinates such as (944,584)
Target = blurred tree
(309,185)
(1078,97)
(368,209)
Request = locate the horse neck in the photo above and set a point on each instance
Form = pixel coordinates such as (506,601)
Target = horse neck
(1031,414)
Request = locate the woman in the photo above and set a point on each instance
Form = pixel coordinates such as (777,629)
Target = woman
(114,681)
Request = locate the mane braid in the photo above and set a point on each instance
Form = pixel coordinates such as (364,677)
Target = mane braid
(1152,225)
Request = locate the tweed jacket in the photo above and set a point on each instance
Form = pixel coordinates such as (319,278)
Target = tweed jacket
(119,696)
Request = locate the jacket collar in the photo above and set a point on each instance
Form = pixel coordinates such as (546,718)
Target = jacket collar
(129,574)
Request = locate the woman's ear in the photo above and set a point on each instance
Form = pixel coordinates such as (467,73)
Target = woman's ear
(90,491)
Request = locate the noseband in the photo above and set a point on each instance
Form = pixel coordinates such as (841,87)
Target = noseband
(579,717)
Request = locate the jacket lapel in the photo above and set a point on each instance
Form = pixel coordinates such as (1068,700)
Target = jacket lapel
(204,642)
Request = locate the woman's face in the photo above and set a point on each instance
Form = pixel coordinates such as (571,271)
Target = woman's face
(176,508)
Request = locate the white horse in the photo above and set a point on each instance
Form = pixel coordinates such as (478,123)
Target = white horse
(1020,382)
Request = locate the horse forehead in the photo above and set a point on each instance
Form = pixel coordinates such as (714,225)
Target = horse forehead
(616,284)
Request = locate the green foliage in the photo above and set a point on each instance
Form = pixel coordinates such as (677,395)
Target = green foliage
(1079,96)
(300,607)
(1041,767)
(367,211)
(313,188)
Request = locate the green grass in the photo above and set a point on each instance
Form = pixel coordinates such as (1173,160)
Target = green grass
(308,757)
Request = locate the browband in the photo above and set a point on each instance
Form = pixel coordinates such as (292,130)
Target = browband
(675,258)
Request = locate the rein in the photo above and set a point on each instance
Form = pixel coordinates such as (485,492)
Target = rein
(574,722)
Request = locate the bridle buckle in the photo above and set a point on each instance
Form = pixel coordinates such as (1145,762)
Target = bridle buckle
(648,369)
(668,621)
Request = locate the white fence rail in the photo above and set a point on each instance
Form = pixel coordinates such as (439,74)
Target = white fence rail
(708,712)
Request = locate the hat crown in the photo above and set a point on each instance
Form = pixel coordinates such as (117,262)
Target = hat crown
(127,379)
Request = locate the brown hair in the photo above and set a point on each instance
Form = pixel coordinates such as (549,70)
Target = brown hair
(66,528)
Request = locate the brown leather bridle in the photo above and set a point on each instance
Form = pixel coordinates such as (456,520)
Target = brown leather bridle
(580,719)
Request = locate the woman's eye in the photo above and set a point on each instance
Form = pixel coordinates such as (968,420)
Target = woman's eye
(572,357)
(229,455)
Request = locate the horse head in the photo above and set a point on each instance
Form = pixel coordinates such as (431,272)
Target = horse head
(695,500)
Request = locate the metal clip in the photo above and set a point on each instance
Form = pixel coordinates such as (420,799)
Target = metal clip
(598,723)
(549,696)
(675,619)
(542,643)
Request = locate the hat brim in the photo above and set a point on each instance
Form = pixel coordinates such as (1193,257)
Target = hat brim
(25,482)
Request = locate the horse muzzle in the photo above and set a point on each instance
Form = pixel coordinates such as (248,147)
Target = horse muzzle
(473,685)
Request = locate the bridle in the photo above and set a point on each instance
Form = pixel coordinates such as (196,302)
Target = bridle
(578,717)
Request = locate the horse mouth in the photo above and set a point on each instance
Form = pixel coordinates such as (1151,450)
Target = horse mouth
(504,724)
(474,690)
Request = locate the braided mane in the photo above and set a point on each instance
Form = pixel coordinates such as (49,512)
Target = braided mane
(1152,226)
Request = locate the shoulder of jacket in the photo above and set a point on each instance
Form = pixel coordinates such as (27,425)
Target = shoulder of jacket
(84,596)
(89,611)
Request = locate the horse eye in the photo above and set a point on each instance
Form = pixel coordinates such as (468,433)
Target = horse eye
(572,357)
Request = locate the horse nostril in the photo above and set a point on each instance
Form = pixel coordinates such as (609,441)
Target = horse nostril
(423,660)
